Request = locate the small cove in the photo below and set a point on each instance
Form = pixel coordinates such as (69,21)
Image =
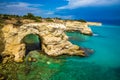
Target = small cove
(105,45)
(103,64)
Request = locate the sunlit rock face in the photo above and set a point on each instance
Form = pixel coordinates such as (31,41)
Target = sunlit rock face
(54,41)
(78,26)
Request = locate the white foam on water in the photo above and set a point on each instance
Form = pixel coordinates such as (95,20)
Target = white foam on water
(95,34)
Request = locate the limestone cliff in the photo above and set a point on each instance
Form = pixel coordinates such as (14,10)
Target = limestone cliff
(82,27)
(54,40)
(94,24)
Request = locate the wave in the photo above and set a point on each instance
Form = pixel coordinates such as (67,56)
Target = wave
(95,34)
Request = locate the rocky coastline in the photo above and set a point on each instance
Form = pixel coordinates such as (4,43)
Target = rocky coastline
(54,41)
(94,24)
(82,27)
(78,26)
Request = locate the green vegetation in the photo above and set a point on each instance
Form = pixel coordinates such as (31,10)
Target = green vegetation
(1,41)
(49,19)
(29,16)
(18,23)
(32,17)
(58,18)
(82,20)
(17,20)
(2,45)
(8,16)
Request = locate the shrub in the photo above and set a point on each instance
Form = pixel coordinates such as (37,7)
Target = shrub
(5,16)
(29,16)
(57,18)
(38,17)
(1,41)
(38,20)
(82,20)
(49,20)
(18,23)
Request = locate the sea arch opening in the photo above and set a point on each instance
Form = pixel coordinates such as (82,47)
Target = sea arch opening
(32,42)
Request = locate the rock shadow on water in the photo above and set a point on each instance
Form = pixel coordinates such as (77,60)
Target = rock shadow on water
(32,42)
(0,58)
(88,51)
(117,71)
(77,36)
(36,66)
(43,66)
(32,46)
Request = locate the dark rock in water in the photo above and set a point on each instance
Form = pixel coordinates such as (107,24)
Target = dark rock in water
(117,71)
(88,51)
(31,47)
(0,58)
(2,77)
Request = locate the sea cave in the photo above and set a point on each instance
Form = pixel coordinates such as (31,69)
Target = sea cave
(32,42)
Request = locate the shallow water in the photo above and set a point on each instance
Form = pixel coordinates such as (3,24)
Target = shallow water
(103,64)
(105,44)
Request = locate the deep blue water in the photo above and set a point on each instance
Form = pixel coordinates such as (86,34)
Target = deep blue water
(103,64)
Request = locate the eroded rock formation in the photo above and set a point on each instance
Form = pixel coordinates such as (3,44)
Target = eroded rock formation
(82,27)
(54,40)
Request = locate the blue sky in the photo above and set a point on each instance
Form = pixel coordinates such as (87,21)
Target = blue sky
(67,9)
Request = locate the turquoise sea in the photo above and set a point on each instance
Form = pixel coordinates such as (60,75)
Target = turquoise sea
(104,42)
(103,64)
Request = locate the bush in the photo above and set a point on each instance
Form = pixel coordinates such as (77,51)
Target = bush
(38,17)
(1,21)
(5,16)
(29,16)
(57,18)
(82,20)
(18,23)
(38,20)
(49,20)
(1,41)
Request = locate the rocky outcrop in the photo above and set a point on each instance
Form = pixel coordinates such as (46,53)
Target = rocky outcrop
(54,40)
(94,24)
(82,27)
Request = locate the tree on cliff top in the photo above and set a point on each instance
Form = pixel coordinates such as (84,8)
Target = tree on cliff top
(82,20)
(32,17)
(29,16)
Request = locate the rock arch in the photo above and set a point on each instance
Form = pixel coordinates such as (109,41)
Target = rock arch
(54,40)
(32,42)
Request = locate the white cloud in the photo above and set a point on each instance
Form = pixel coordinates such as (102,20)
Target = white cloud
(19,8)
(65,17)
(52,14)
(49,13)
(22,4)
(72,4)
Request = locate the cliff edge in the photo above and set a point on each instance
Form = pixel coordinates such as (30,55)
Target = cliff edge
(54,40)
